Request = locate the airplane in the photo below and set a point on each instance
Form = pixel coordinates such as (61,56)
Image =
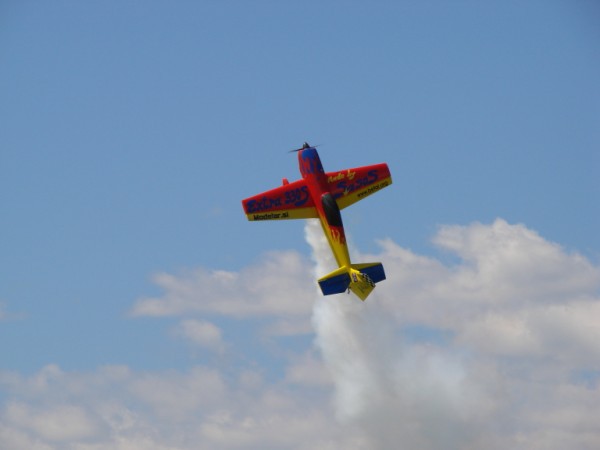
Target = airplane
(321,195)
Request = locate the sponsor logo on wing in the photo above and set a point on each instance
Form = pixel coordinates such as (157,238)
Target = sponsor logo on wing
(352,184)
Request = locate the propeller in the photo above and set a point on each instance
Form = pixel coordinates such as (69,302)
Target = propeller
(304,146)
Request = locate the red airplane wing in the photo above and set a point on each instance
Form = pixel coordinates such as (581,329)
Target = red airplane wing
(290,201)
(351,185)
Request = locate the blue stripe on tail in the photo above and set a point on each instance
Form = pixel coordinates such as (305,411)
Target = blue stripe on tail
(374,272)
(336,284)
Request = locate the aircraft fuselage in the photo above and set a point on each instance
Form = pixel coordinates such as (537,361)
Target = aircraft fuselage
(329,213)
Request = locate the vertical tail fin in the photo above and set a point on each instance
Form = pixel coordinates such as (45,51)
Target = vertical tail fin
(359,278)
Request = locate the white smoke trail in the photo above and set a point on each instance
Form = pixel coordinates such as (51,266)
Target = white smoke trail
(344,335)
(401,396)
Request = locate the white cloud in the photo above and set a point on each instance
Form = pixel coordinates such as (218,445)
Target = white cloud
(308,370)
(289,326)
(201,333)
(118,408)
(174,396)
(496,350)
(278,285)
(517,263)
(59,423)
(13,438)
(520,320)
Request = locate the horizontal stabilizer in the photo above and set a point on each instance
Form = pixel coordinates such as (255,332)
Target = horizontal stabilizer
(336,282)
(358,278)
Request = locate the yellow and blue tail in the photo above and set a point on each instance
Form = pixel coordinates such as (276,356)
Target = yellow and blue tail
(358,278)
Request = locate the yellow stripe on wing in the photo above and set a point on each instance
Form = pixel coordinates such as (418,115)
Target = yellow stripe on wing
(359,194)
(285,214)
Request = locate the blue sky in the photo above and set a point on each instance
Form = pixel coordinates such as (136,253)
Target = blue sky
(130,131)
